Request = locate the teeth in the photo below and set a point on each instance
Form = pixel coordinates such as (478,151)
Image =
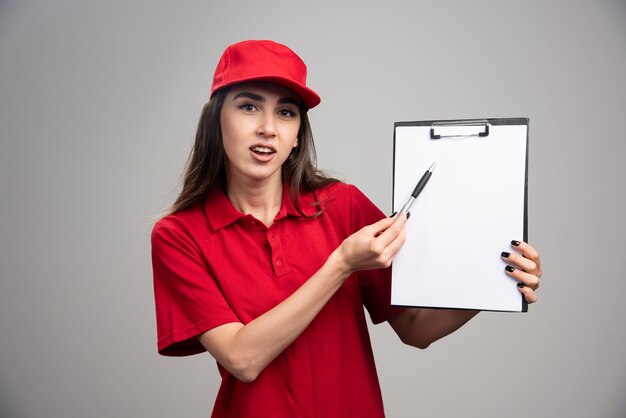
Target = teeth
(262,149)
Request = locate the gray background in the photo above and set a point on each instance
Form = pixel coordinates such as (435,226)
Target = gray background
(98,108)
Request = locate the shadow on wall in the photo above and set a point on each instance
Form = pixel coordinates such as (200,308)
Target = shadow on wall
(8,402)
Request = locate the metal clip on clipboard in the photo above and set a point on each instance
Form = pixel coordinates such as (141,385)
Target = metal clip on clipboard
(459,129)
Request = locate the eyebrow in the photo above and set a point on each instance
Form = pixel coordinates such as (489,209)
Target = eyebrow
(259,98)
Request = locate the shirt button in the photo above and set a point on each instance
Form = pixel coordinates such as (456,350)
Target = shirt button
(278,263)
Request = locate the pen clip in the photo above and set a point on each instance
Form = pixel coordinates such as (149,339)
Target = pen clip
(459,129)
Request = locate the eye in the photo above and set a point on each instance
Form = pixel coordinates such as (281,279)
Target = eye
(287,113)
(248,107)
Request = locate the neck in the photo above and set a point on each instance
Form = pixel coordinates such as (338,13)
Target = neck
(261,200)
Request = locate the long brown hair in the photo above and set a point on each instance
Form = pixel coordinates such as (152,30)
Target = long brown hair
(205,165)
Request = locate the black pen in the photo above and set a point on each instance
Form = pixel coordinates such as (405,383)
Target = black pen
(418,189)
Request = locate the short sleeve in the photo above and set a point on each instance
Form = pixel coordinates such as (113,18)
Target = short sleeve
(188,300)
(375,284)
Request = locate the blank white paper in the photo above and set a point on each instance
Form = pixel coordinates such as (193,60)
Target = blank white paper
(468,213)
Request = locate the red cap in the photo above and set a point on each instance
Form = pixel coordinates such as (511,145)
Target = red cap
(264,60)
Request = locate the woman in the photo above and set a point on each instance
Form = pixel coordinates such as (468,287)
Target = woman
(266,264)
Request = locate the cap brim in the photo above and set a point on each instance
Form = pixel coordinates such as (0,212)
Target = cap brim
(309,98)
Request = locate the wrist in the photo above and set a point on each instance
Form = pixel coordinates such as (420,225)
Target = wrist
(339,265)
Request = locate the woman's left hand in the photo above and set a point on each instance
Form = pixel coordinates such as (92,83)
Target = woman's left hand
(524,265)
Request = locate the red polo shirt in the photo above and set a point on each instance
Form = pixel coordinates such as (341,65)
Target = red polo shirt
(214,265)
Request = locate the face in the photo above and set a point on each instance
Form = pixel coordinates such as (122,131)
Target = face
(260,123)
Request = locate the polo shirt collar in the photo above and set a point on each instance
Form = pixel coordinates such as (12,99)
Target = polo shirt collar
(221,212)
(287,208)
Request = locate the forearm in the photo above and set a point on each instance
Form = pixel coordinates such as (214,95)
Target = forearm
(420,327)
(245,350)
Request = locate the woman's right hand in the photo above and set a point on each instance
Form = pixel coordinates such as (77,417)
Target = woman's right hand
(373,246)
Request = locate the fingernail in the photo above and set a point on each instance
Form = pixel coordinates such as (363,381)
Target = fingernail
(505,254)
(408,215)
(520,285)
(393,214)
(515,243)
(509,269)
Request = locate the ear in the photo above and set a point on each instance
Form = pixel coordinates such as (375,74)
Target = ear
(295,144)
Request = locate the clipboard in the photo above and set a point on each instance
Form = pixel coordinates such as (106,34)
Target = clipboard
(473,206)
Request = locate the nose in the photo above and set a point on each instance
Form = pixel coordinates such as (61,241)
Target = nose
(267,126)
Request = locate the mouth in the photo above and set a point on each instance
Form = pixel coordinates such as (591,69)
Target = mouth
(260,150)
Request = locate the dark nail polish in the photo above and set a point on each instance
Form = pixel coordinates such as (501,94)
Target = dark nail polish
(408,215)
(393,214)
(520,285)
(515,243)
(509,269)
(505,254)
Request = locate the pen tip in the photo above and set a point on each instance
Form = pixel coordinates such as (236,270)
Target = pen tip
(432,167)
